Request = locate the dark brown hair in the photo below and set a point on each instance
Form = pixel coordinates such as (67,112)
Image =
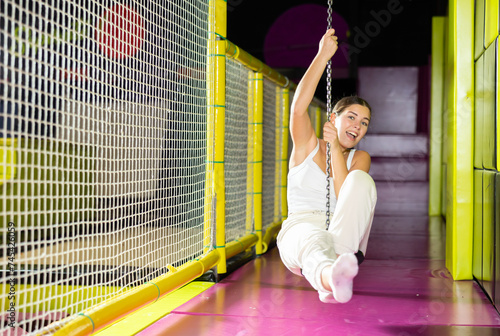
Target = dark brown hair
(345,102)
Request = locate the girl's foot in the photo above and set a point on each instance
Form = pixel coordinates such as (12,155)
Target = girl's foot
(344,269)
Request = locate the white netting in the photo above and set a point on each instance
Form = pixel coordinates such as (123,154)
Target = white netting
(269,154)
(102,148)
(236,149)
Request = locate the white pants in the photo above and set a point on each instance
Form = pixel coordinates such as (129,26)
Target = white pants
(306,247)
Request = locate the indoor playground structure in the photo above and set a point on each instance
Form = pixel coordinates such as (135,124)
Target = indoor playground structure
(143,178)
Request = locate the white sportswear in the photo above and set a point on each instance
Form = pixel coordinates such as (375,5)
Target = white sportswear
(307,185)
(305,246)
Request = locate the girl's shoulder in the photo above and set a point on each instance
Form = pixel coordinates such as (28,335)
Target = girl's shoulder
(361,160)
(361,153)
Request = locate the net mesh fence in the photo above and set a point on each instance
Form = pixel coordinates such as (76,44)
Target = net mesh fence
(269,154)
(105,150)
(103,144)
(236,149)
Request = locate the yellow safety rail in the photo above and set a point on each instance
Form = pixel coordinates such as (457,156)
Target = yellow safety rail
(119,306)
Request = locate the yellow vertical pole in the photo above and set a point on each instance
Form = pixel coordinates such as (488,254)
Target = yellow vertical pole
(209,165)
(258,118)
(285,102)
(250,145)
(277,153)
(220,132)
(436,133)
(317,119)
(216,79)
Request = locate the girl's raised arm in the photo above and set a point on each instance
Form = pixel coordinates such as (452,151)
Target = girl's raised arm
(301,129)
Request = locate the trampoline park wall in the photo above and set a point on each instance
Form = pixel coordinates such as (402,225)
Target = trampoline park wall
(139,149)
(464,182)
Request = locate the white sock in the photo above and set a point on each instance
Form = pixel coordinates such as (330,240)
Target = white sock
(344,269)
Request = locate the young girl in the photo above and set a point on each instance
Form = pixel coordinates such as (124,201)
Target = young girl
(328,259)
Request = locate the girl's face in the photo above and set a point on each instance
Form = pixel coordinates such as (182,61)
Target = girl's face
(352,125)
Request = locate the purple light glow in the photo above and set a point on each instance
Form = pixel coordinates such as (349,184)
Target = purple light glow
(292,41)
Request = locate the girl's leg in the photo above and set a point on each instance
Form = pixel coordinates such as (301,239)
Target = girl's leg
(350,227)
(352,220)
(306,248)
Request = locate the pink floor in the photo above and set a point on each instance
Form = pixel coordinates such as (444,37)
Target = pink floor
(403,288)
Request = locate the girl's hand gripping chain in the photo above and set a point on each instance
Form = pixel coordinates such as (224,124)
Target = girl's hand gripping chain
(328,45)
(330,134)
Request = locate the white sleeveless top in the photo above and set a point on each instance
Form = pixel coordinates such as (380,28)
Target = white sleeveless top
(307,186)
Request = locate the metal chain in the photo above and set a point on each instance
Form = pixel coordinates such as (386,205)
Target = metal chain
(328,114)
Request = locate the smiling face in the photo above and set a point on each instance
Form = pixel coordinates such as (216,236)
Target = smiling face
(352,125)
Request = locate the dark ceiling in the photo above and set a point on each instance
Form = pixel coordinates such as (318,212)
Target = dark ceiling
(406,41)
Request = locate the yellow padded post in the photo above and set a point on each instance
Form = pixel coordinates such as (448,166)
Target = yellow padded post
(216,97)
(208,210)
(284,151)
(459,115)
(491,24)
(488,229)
(489,115)
(477,247)
(277,156)
(317,121)
(478,112)
(220,132)
(479,28)
(436,132)
(250,144)
(258,118)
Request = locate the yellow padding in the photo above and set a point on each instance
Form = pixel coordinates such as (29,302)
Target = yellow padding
(121,305)
(436,133)
(479,28)
(459,143)
(8,159)
(488,225)
(477,246)
(43,298)
(479,112)
(139,320)
(490,22)
(233,51)
(241,244)
(497,108)
(489,113)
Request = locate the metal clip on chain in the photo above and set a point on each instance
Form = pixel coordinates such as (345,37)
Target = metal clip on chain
(328,114)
